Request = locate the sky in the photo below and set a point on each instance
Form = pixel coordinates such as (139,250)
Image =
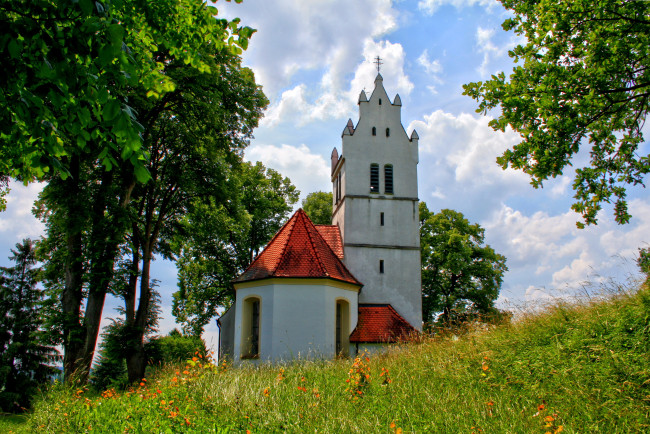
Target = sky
(313,58)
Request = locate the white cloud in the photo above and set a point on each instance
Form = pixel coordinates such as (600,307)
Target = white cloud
(17,222)
(429,7)
(297,37)
(308,172)
(491,51)
(301,105)
(431,67)
(468,146)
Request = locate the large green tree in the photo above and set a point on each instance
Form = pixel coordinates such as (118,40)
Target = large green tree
(461,275)
(26,358)
(89,206)
(582,81)
(318,206)
(219,240)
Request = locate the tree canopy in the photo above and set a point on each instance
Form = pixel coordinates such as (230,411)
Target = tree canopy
(217,241)
(460,274)
(130,110)
(318,206)
(583,78)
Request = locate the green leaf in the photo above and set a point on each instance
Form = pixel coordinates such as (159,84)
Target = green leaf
(111,110)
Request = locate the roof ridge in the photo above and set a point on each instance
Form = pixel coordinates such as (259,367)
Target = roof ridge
(286,241)
(311,241)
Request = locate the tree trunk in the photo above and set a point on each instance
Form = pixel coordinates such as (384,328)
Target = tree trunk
(73,332)
(136,362)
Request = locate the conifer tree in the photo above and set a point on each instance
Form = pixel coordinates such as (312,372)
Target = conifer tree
(25,356)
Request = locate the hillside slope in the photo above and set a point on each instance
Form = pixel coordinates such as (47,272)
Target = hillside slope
(579,368)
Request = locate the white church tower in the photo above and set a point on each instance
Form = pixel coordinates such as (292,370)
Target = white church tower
(375,205)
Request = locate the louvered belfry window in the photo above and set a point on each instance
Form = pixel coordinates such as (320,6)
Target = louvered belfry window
(388,178)
(374,178)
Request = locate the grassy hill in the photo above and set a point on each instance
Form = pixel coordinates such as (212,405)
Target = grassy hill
(572,368)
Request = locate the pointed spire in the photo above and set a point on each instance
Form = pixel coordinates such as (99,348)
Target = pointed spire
(363,97)
(379,78)
(398,100)
(349,129)
(414,135)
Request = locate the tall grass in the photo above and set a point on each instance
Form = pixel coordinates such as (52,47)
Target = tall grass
(573,368)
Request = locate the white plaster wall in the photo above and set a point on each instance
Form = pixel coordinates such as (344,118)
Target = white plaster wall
(227,334)
(296,320)
(399,285)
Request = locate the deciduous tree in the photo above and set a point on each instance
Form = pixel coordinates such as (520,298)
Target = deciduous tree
(460,274)
(318,206)
(88,199)
(582,82)
(220,240)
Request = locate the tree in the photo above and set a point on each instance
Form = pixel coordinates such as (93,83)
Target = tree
(25,356)
(584,77)
(318,206)
(88,207)
(218,241)
(460,274)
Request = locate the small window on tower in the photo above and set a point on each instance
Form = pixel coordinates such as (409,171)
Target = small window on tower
(379,101)
(381,266)
(381,218)
(387,132)
(374,178)
(374,131)
(388,179)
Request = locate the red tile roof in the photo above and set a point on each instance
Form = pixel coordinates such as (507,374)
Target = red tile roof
(332,235)
(299,250)
(380,323)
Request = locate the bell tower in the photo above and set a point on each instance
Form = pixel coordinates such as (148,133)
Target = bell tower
(375,204)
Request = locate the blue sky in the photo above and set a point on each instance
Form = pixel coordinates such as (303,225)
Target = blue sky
(313,57)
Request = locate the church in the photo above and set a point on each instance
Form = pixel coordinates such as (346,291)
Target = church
(324,291)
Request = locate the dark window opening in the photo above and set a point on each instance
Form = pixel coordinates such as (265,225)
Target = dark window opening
(339,346)
(255,328)
(338,187)
(379,101)
(388,179)
(374,131)
(381,218)
(381,266)
(374,178)
(387,132)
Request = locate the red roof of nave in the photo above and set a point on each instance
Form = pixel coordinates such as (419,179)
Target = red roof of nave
(380,323)
(300,249)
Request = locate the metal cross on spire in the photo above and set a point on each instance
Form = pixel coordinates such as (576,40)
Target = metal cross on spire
(378,62)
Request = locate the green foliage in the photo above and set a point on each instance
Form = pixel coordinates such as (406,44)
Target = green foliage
(318,206)
(126,92)
(217,241)
(174,348)
(583,75)
(583,368)
(461,277)
(25,354)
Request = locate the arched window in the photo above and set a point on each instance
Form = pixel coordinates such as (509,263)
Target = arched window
(388,179)
(374,178)
(387,132)
(374,131)
(379,101)
(342,343)
(250,346)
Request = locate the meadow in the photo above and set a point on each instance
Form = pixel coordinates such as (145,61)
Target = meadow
(574,367)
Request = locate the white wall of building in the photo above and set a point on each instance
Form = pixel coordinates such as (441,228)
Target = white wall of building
(297,317)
